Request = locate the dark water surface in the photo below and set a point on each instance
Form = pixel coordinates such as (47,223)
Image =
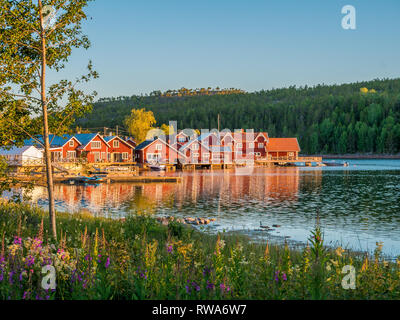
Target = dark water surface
(359,205)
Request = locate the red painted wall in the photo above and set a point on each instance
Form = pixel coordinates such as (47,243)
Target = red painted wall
(121,149)
(91,155)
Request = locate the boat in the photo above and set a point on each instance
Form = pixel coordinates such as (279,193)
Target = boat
(157,167)
(84,180)
(336,164)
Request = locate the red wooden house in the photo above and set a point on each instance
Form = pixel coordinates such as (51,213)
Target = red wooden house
(119,150)
(283,147)
(158,150)
(63,148)
(196,152)
(93,147)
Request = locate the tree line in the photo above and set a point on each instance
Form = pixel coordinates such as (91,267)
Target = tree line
(362,117)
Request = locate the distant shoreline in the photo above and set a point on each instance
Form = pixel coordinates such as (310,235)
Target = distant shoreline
(358,156)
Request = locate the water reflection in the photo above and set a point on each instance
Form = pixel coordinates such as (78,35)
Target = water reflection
(358,205)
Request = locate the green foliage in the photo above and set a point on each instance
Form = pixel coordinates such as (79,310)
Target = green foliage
(333,119)
(138,258)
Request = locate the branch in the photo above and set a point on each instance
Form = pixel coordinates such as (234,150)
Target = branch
(24,79)
(32,137)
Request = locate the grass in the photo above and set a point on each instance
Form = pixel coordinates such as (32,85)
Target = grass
(137,258)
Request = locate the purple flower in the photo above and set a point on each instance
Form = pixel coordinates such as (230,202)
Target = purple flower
(30,261)
(276,276)
(107,262)
(17,240)
(210,285)
(206,271)
(195,286)
(10,278)
(170,248)
(187,289)
(224,288)
(284,278)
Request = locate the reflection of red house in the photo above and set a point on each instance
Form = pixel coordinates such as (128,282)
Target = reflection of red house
(119,150)
(283,147)
(158,150)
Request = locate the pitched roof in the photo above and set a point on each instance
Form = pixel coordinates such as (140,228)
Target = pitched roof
(283,144)
(55,141)
(85,138)
(144,144)
(206,135)
(15,150)
(110,138)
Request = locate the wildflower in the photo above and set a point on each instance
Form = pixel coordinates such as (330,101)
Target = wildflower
(29,261)
(210,285)
(195,286)
(276,276)
(284,277)
(169,248)
(17,240)
(339,251)
(107,262)
(224,288)
(206,271)
(10,277)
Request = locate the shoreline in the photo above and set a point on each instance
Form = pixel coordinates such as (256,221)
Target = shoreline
(359,156)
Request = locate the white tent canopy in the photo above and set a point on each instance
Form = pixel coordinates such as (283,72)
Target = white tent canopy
(21,155)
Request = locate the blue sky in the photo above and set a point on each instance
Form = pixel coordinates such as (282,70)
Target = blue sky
(141,46)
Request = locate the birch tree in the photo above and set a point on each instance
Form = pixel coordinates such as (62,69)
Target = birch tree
(38,36)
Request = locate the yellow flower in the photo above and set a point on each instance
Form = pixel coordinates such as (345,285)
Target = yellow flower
(365,265)
(339,251)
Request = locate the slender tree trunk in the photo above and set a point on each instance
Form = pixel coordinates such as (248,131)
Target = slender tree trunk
(47,154)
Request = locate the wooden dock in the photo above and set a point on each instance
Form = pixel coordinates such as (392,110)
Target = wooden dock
(271,161)
(129,178)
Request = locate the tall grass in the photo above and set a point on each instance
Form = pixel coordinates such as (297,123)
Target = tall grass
(137,258)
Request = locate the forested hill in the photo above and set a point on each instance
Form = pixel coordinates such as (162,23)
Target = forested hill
(344,118)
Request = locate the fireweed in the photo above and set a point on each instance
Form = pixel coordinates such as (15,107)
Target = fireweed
(97,258)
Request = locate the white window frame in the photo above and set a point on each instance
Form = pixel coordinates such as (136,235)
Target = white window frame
(96,156)
(206,155)
(96,145)
(196,155)
(251,145)
(115,144)
(69,153)
(195,147)
(159,147)
(125,156)
(291,154)
(71,143)
(239,146)
(260,145)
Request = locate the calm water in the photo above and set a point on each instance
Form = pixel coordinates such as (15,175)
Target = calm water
(359,205)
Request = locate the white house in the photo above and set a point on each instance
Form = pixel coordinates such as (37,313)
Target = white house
(21,155)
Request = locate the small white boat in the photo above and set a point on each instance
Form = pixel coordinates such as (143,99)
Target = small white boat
(157,167)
